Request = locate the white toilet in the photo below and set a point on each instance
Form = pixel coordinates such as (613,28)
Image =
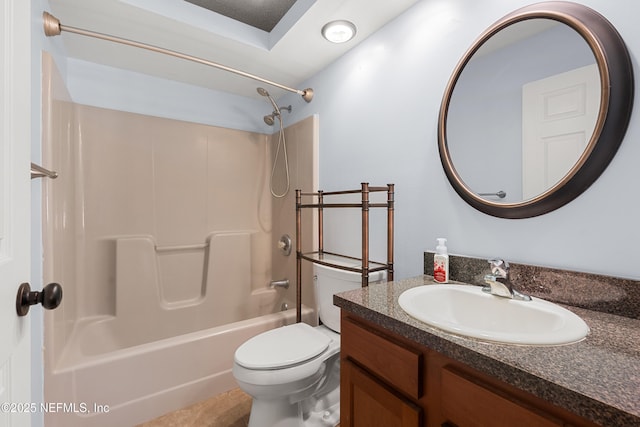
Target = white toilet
(293,372)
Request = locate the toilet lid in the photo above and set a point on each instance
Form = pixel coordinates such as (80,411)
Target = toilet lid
(281,347)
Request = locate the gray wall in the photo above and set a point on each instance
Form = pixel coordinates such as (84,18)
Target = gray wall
(378,109)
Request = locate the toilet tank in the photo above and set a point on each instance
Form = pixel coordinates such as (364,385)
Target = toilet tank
(329,281)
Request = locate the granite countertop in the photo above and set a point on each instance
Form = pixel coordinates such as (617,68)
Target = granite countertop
(597,378)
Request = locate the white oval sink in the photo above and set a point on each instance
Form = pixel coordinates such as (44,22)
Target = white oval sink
(467,310)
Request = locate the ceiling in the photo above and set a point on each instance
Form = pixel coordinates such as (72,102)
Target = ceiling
(228,32)
(264,15)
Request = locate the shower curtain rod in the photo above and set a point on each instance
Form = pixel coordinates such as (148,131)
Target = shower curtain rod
(53,27)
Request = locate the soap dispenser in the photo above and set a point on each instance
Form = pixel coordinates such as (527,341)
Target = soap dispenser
(441,262)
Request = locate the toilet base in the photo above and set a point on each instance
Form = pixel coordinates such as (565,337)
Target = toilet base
(328,417)
(276,413)
(281,413)
(320,409)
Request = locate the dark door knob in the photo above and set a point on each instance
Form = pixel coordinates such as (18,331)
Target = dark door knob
(50,297)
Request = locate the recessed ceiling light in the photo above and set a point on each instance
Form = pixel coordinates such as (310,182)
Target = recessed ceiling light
(339,31)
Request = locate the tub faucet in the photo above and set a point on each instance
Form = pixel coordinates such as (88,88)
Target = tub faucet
(499,281)
(284,283)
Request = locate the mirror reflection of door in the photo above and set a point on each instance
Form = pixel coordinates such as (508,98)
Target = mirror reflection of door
(480,125)
(558,118)
(484,124)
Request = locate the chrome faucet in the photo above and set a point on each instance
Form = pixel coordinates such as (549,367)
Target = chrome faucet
(284,283)
(499,281)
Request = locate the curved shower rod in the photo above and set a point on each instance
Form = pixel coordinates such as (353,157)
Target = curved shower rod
(53,27)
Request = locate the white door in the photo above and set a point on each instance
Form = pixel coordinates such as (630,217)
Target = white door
(15,141)
(558,117)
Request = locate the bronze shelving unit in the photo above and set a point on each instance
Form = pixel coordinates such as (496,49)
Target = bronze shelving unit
(329,258)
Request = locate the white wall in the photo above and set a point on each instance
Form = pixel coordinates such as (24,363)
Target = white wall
(378,108)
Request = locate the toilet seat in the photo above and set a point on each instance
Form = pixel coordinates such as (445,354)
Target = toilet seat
(282,347)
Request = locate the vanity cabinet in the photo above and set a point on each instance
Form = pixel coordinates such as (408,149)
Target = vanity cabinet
(388,380)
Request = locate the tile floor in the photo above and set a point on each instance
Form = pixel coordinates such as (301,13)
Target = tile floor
(230,409)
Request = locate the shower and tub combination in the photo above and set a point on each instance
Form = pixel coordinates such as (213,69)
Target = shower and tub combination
(166,239)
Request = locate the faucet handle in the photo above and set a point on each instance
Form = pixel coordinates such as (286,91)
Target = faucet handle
(499,267)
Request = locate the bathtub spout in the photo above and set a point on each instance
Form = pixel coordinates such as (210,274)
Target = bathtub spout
(284,283)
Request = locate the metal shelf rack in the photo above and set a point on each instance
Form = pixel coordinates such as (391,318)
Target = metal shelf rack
(320,256)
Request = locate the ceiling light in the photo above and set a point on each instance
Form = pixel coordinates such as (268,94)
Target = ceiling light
(339,31)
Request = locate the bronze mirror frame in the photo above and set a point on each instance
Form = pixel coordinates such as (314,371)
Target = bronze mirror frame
(616,103)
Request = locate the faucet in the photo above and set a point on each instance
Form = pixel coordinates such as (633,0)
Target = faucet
(284,283)
(499,281)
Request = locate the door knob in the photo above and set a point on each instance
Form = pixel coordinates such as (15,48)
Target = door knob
(50,297)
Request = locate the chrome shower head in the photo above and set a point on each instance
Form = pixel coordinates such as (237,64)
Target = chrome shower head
(270,119)
(262,91)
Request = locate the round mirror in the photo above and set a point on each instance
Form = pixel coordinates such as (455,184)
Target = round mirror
(535,110)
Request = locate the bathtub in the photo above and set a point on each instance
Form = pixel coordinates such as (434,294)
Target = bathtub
(168,339)
(145,381)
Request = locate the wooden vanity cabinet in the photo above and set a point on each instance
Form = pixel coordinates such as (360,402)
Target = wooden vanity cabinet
(387,380)
(381,380)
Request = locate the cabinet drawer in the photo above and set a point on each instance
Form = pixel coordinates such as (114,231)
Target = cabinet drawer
(396,364)
(466,401)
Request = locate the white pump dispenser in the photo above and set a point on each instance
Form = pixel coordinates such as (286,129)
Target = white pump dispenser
(441,262)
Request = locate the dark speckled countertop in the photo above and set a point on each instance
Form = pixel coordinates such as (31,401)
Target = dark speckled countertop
(597,378)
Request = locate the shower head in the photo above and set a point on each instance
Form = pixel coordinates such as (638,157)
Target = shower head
(263,92)
(270,120)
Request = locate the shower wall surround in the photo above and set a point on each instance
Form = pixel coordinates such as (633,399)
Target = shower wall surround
(168,215)
(157,228)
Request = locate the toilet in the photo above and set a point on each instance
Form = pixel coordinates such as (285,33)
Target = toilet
(293,372)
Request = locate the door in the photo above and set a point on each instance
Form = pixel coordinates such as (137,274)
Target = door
(15,141)
(558,118)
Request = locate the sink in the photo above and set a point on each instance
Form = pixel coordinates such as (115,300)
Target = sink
(467,310)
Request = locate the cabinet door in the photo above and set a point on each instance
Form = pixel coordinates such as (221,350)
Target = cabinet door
(466,401)
(365,402)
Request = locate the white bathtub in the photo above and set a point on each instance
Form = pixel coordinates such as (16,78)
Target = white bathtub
(146,381)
